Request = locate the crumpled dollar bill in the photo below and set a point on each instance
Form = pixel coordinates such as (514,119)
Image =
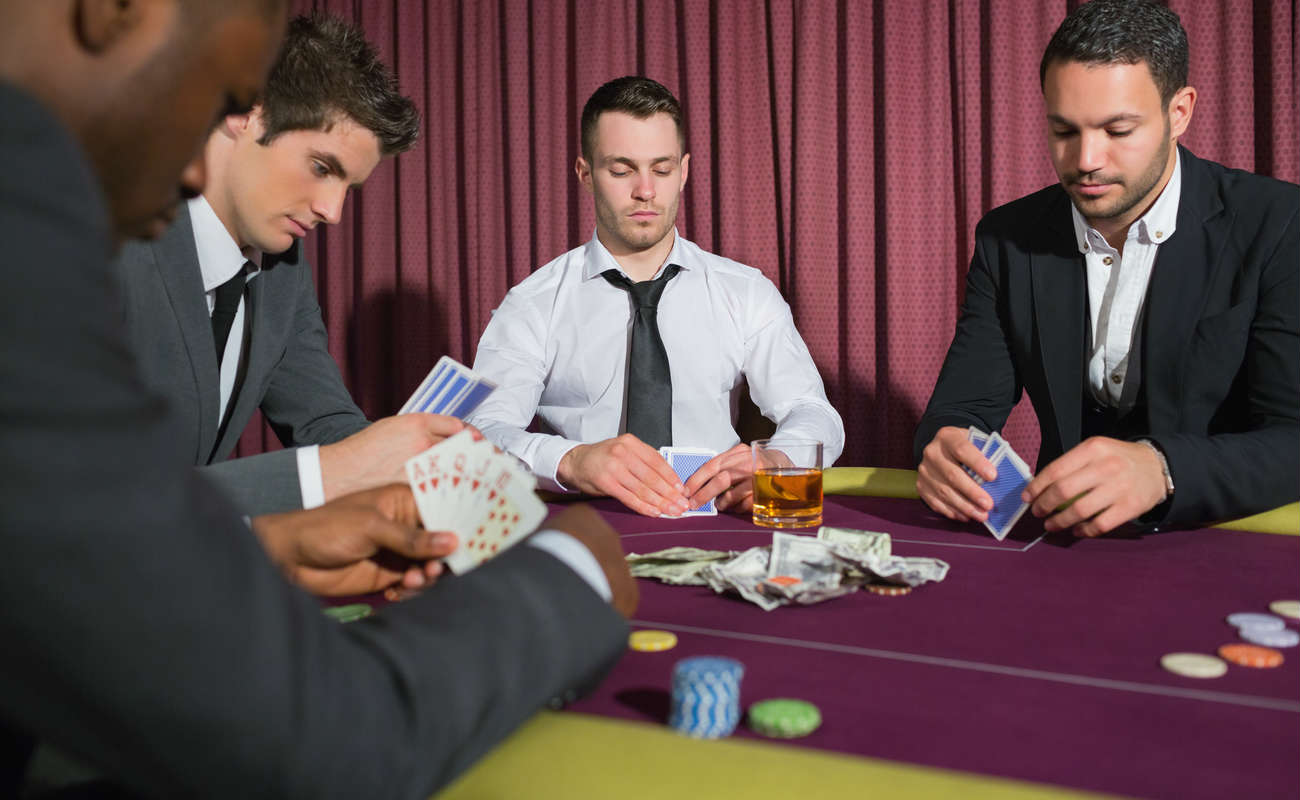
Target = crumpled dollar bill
(794,569)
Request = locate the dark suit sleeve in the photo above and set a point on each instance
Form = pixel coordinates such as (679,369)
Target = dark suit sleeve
(147,631)
(978,384)
(1229,475)
(305,400)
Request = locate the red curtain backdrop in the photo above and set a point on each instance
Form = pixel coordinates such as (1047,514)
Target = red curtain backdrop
(846,149)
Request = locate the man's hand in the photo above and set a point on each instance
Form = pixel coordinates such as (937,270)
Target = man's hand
(357,544)
(585,525)
(945,486)
(628,470)
(377,455)
(1110,481)
(727,478)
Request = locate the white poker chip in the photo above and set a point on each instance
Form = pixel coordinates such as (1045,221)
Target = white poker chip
(1264,622)
(1274,638)
(1194,665)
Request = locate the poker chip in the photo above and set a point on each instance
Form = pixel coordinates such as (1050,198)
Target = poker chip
(1285,608)
(706,696)
(784,580)
(349,613)
(651,641)
(888,590)
(1194,665)
(1270,638)
(1268,622)
(784,718)
(1250,655)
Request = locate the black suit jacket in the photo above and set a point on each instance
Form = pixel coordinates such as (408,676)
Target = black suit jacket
(1220,342)
(289,373)
(146,632)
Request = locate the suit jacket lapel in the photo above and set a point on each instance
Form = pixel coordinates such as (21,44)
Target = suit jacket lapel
(1060,302)
(177,260)
(1180,279)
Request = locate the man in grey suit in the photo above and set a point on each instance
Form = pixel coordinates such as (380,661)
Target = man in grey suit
(222,309)
(148,631)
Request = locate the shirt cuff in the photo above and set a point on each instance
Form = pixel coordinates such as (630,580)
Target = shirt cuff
(546,465)
(576,557)
(310,481)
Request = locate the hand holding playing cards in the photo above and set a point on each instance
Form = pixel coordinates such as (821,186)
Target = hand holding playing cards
(727,477)
(628,470)
(377,455)
(944,484)
(357,544)
(1111,482)
(585,525)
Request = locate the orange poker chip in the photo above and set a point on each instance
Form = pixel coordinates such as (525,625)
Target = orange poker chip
(784,580)
(1250,655)
(888,591)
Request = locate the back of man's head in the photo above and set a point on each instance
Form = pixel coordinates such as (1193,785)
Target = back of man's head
(1123,32)
(328,70)
(632,94)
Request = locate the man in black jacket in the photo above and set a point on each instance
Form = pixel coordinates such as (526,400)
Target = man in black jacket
(147,632)
(1149,304)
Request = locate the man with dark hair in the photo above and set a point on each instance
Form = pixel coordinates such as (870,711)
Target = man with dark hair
(147,632)
(222,308)
(639,339)
(1149,304)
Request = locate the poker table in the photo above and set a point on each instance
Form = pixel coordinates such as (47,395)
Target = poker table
(1032,670)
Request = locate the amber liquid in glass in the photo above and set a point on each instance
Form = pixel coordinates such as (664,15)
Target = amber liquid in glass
(788,497)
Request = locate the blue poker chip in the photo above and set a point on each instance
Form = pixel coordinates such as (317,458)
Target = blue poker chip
(706,697)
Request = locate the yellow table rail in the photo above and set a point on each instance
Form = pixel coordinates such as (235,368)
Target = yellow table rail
(569,755)
(885,482)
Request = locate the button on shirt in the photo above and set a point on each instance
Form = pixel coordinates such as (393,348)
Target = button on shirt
(220,259)
(557,348)
(1117,287)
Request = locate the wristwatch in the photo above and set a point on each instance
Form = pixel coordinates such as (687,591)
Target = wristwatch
(1164,466)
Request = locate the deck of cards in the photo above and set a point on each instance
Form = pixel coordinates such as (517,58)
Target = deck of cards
(685,461)
(1013,476)
(483,496)
(450,388)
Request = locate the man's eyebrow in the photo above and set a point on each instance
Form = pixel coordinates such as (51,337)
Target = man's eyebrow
(1126,116)
(629,162)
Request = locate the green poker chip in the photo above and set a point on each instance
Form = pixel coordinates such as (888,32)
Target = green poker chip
(349,613)
(784,718)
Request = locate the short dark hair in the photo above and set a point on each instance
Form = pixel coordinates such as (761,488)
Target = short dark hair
(1123,32)
(631,94)
(327,70)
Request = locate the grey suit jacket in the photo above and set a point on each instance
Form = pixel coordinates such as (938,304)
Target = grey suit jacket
(1220,344)
(145,630)
(289,372)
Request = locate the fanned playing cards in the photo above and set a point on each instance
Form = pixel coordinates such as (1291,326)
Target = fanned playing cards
(450,388)
(1013,477)
(483,496)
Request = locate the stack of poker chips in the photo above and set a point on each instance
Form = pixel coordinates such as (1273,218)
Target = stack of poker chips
(706,697)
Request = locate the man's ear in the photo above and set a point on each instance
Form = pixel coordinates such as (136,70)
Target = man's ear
(583,170)
(237,125)
(100,24)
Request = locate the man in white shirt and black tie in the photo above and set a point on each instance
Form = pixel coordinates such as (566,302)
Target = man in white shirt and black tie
(639,339)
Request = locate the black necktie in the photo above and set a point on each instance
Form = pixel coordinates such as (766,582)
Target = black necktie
(649,383)
(223,310)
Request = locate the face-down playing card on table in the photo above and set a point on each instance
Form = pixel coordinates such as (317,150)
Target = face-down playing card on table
(483,496)
(450,388)
(686,461)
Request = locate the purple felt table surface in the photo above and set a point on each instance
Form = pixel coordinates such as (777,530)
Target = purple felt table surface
(1036,658)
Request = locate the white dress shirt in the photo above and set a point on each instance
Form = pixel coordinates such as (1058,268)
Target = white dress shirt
(557,348)
(1117,286)
(220,259)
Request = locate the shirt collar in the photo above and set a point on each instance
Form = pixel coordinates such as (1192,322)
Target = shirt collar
(219,257)
(1153,227)
(597,258)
